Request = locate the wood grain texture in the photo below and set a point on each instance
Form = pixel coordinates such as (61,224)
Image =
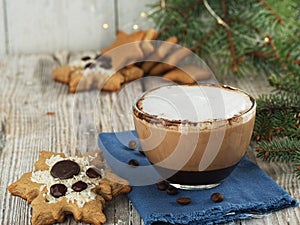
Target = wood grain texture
(2,28)
(27,93)
(132,13)
(41,26)
(47,26)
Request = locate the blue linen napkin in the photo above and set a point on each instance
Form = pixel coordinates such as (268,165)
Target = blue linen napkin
(248,191)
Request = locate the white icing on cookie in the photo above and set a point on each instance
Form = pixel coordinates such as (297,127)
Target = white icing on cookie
(80,198)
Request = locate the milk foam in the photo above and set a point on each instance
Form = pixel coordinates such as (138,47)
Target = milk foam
(195,103)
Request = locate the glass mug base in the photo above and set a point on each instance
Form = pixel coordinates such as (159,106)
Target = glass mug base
(195,187)
(195,180)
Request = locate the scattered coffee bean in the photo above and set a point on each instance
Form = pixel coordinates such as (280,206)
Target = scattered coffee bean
(184,201)
(172,190)
(79,186)
(65,169)
(92,173)
(58,190)
(85,58)
(162,185)
(133,162)
(217,197)
(132,144)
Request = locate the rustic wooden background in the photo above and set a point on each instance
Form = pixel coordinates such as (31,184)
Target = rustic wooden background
(27,93)
(57,31)
(43,26)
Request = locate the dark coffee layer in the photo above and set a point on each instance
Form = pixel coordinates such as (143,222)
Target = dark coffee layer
(195,177)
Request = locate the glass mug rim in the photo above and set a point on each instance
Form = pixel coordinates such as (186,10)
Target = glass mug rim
(206,124)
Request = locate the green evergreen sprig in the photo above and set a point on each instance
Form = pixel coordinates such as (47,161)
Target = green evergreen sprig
(280,149)
(239,35)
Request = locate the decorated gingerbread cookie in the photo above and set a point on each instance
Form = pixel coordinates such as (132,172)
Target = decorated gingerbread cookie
(95,72)
(61,185)
(129,57)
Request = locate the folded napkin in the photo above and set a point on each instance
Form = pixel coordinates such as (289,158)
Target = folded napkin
(248,191)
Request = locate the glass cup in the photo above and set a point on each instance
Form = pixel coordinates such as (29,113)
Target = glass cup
(194,135)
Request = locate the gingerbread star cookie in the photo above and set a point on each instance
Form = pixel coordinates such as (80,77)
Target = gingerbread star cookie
(61,185)
(95,72)
(130,57)
(188,74)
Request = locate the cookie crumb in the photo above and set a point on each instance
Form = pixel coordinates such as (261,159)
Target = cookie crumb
(50,113)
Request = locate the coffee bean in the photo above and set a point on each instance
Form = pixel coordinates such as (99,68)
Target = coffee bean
(65,169)
(85,58)
(217,197)
(92,173)
(79,186)
(172,190)
(132,144)
(184,201)
(162,185)
(58,190)
(133,162)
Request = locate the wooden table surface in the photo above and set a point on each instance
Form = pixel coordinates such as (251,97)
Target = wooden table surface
(27,93)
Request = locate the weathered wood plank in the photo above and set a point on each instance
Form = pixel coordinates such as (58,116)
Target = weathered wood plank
(132,14)
(47,26)
(28,93)
(2,28)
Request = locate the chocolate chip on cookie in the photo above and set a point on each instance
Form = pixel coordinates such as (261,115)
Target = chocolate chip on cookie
(58,190)
(65,169)
(92,173)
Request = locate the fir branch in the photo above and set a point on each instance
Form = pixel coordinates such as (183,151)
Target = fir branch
(277,116)
(197,47)
(243,41)
(286,83)
(266,5)
(282,101)
(269,42)
(282,149)
(244,23)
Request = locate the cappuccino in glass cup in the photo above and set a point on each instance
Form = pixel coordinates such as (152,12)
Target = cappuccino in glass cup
(194,135)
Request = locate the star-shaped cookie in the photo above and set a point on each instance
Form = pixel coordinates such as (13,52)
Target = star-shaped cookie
(61,185)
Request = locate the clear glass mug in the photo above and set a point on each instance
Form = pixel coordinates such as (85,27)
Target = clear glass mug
(192,134)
